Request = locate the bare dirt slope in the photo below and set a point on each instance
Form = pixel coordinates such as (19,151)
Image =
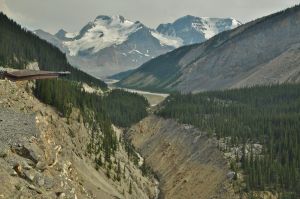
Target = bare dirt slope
(43,155)
(187,162)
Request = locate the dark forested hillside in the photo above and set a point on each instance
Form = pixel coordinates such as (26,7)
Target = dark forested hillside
(18,47)
(267,115)
(117,106)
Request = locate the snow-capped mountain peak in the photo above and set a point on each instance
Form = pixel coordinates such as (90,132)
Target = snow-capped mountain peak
(193,29)
(115,19)
(103,32)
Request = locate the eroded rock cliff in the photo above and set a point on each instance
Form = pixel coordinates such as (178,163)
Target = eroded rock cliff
(187,162)
(43,155)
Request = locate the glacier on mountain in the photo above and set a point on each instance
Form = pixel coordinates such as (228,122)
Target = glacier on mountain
(103,33)
(112,44)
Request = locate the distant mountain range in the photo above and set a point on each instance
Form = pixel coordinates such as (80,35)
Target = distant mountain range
(264,51)
(110,45)
(191,30)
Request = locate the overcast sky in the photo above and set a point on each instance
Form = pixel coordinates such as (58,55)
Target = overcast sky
(71,15)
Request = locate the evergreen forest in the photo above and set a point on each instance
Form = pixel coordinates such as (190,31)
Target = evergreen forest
(99,111)
(266,115)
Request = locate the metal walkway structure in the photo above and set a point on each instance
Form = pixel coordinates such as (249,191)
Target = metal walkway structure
(23,75)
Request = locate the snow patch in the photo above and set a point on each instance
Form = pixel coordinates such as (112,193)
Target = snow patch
(138,52)
(134,50)
(212,26)
(235,23)
(71,35)
(167,40)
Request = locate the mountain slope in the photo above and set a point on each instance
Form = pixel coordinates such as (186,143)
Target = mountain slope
(109,45)
(263,51)
(44,154)
(187,161)
(253,126)
(19,47)
(51,39)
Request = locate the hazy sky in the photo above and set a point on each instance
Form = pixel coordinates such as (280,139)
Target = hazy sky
(72,15)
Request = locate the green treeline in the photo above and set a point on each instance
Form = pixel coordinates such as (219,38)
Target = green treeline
(124,108)
(100,111)
(117,106)
(19,46)
(268,115)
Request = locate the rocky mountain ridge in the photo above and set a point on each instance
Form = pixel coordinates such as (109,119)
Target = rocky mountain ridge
(108,45)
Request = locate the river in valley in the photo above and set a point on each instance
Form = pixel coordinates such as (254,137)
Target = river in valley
(153,98)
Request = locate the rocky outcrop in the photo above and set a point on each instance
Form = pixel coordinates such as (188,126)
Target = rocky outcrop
(187,162)
(43,155)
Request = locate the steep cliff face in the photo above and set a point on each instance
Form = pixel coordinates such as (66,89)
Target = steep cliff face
(187,161)
(43,154)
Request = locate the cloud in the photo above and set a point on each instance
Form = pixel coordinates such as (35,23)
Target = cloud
(22,19)
(4,8)
(72,15)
